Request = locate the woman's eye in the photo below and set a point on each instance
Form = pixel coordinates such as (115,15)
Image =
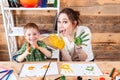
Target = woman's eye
(58,21)
(64,21)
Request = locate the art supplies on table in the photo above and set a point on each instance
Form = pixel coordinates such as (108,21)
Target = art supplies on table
(88,69)
(6,74)
(39,69)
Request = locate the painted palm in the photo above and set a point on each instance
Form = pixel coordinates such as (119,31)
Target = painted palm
(81,39)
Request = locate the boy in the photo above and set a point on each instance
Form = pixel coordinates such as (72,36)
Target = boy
(32,49)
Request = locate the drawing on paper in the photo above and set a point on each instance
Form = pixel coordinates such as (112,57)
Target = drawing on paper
(39,69)
(80,69)
(66,68)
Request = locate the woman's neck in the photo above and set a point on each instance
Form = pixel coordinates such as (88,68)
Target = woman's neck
(70,36)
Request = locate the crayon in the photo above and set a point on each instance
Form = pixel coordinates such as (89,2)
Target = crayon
(3,71)
(10,72)
(112,72)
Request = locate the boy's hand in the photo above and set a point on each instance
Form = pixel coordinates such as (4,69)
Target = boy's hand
(36,46)
(28,48)
(80,39)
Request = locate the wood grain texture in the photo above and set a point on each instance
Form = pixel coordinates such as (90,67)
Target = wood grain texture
(112,38)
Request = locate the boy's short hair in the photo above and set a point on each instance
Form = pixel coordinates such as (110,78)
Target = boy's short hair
(31,25)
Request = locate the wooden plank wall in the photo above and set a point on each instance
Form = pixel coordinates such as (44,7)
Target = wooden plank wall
(101,16)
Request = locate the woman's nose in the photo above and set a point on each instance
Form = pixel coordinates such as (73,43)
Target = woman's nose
(60,25)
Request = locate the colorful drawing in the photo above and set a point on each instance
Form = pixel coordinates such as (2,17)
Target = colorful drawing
(31,67)
(80,69)
(66,68)
(44,67)
(38,69)
(90,68)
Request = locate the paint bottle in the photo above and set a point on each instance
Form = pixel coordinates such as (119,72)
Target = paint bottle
(62,78)
(44,3)
(101,78)
(40,3)
(79,78)
(55,3)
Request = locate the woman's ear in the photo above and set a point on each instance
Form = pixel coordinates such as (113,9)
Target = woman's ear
(75,23)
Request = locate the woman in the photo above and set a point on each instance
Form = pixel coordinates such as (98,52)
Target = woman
(68,24)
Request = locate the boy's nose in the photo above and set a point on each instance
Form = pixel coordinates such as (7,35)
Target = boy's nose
(32,36)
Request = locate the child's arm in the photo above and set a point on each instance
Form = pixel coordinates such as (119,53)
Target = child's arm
(21,57)
(44,51)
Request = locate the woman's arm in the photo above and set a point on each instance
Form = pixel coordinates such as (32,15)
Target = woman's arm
(81,53)
(65,55)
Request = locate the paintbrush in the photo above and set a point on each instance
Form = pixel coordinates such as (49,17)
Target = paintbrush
(46,70)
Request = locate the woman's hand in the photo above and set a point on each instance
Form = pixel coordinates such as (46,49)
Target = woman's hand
(79,40)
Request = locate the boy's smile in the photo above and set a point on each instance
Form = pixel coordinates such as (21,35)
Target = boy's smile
(32,35)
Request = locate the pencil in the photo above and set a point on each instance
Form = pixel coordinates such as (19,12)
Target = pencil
(21,69)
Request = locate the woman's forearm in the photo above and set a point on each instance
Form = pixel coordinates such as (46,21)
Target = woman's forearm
(65,55)
(81,53)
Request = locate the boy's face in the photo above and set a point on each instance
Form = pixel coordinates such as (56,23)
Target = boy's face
(31,35)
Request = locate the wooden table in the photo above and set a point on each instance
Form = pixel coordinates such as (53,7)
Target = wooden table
(105,67)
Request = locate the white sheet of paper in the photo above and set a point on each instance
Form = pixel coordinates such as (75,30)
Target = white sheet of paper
(18,31)
(39,70)
(90,69)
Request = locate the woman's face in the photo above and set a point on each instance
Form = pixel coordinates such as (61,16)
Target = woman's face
(64,24)
(32,35)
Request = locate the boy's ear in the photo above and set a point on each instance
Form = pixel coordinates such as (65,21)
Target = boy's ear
(25,37)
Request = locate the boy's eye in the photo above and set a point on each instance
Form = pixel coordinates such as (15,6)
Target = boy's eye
(34,34)
(28,34)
